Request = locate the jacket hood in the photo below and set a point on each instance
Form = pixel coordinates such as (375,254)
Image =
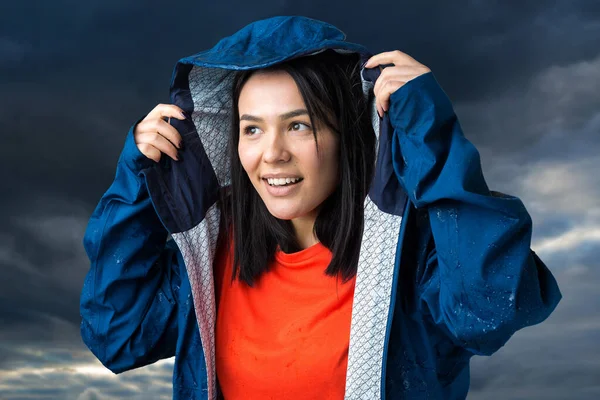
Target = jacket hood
(271,41)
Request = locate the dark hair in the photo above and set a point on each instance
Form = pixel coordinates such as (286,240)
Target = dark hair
(331,87)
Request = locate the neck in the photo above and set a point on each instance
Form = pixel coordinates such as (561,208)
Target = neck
(303,227)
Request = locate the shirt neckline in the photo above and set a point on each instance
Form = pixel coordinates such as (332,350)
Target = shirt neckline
(300,256)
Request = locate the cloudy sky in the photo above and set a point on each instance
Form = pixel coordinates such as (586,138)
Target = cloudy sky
(525,82)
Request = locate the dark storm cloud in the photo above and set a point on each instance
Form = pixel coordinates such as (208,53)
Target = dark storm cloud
(44,259)
(523,77)
(489,45)
(558,359)
(476,48)
(555,115)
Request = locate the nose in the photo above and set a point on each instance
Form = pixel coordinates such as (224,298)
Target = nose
(276,148)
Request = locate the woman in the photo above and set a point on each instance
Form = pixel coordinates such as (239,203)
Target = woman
(309,259)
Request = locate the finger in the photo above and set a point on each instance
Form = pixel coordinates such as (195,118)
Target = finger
(379,103)
(383,95)
(381,109)
(400,77)
(166,110)
(378,82)
(402,73)
(150,151)
(391,73)
(160,142)
(378,108)
(389,57)
(386,93)
(162,127)
(382,79)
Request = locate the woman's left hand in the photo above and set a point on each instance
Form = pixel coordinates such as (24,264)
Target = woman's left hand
(404,69)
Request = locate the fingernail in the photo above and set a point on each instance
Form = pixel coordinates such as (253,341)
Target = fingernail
(183,115)
(181,145)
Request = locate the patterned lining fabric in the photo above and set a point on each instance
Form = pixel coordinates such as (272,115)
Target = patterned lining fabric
(370,309)
(211,94)
(198,246)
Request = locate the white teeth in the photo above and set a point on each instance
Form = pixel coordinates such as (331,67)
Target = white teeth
(281,181)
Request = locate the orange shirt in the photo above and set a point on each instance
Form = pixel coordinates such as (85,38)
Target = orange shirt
(287,336)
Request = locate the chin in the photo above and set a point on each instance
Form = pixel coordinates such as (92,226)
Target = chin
(283,214)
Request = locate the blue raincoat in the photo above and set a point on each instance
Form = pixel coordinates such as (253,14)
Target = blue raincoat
(445,271)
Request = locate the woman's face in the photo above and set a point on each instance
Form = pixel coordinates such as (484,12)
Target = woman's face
(277,148)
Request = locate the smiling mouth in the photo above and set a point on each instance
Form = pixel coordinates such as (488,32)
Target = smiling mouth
(280,182)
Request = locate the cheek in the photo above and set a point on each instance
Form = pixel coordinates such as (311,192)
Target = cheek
(249,156)
(323,169)
(330,166)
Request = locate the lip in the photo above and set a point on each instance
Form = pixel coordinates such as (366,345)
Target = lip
(269,176)
(281,191)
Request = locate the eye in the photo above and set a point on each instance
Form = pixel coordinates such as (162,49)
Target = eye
(251,130)
(297,126)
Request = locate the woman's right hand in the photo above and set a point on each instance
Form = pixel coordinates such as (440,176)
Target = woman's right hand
(154,135)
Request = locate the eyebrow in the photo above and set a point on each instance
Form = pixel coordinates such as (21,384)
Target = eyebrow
(282,117)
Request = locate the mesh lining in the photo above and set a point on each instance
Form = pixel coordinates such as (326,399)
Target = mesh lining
(211,94)
(198,247)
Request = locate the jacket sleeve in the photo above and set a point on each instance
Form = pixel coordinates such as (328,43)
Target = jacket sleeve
(129,298)
(481,282)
